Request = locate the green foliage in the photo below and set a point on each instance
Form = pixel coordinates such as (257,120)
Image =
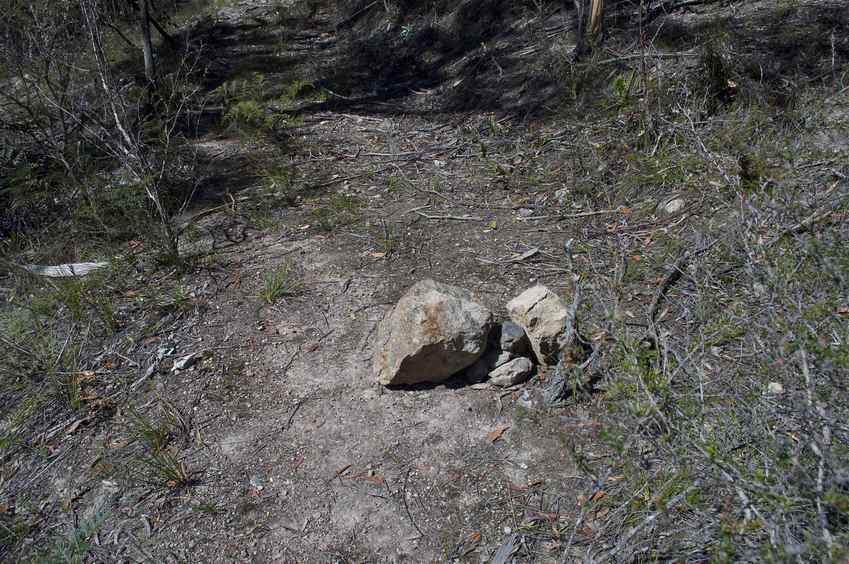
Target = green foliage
(281,184)
(252,111)
(72,548)
(181,299)
(77,299)
(157,463)
(71,390)
(280,283)
(752,171)
(120,211)
(153,435)
(387,238)
(12,531)
(342,210)
(280,188)
(249,117)
(162,468)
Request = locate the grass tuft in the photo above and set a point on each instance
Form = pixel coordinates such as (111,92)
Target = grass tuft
(280,283)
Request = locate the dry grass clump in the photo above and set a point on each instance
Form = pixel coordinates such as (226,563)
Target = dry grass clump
(726,399)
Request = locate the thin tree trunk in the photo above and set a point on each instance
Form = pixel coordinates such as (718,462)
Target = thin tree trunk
(580,45)
(596,18)
(147,46)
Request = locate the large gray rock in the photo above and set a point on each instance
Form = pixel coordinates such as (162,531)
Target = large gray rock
(514,372)
(543,316)
(434,331)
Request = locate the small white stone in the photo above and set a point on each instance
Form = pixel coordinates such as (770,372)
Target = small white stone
(673,206)
(562,196)
(775,388)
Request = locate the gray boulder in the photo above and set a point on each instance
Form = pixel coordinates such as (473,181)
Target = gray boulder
(514,372)
(434,331)
(543,316)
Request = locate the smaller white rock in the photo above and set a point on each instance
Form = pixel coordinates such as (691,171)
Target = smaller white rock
(514,372)
(185,362)
(562,196)
(674,206)
(775,388)
(543,315)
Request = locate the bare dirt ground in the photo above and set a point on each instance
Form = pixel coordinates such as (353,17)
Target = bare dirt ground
(306,457)
(294,452)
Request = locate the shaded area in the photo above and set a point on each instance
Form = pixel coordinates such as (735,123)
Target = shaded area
(769,44)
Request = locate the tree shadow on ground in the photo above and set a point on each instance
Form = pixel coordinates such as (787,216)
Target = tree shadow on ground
(771,45)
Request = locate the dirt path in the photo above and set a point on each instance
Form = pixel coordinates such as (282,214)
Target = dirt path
(288,450)
(305,454)
(300,455)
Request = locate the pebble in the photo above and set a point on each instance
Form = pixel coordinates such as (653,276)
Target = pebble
(674,206)
(775,388)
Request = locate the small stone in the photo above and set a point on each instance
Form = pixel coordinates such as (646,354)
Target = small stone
(256,483)
(503,358)
(513,339)
(514,372)
(562,196)
(543,315)
(494,356)
(434,331)
(525,212)
(673,206)
(775,388)
(186,362)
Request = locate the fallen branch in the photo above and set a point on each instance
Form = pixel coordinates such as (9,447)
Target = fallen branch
(570,216)
(517,258)
(65,270)
(451,217)
(803,225)
(672,276)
